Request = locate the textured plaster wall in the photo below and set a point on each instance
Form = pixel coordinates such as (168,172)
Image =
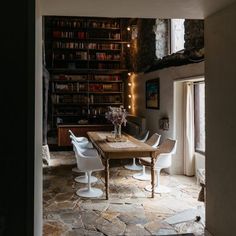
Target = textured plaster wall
(220,45)
(167,77)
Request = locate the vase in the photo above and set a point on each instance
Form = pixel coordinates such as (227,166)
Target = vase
(117,131)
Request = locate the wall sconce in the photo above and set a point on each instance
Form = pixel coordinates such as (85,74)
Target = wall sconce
(164,123)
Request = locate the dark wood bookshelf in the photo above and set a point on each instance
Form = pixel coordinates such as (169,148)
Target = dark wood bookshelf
(86,62)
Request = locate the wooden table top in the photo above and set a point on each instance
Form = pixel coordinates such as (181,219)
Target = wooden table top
(131,148)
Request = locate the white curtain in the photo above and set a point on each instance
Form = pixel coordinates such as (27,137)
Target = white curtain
(189,128)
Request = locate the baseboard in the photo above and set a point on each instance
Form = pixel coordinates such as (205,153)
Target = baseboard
(207,233)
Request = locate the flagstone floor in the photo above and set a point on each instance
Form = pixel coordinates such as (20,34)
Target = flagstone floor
(129,211)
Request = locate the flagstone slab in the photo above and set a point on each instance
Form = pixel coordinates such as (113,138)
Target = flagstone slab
(114,228)
(138,217)
(83,232)
(136,230)
(95,206)
(54,228)
(155,226)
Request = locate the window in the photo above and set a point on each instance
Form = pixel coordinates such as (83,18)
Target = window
(199,116)
(177,35)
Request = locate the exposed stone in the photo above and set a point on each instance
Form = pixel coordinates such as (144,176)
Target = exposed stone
(166,232)
(129,210)
(155,226)
(194,34)
(60,206)
(61,197)
(116,227)
(54,228)
(71,217)
(136,230)
(133,218)
(89,217)
(124,208)
(95,206)
(84,232)
(109,215)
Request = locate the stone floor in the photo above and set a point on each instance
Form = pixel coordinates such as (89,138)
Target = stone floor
(129,211)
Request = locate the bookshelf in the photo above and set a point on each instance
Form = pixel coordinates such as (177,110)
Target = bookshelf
(85,58)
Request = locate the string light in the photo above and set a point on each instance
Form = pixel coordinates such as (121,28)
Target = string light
(129,96)
(129,106)
(129,73)
(128,45)
(128,28)
(129,84)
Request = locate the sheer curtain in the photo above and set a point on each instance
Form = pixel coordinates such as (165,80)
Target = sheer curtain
(189,128)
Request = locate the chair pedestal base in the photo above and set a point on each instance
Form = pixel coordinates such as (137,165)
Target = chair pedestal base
(133,167)
(84,179)
(75,169)
(93,192)
(142,177)
(158,189)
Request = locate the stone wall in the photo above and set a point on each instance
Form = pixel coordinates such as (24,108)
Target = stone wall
(146,49)
(194,34)
(162,37)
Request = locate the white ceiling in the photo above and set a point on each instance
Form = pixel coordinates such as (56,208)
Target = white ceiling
(192,9)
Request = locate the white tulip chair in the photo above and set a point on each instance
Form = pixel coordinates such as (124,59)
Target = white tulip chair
(86,149)
(163,160)
(153,141)
(88,164)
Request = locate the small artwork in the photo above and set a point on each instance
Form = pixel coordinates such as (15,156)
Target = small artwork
(152,94)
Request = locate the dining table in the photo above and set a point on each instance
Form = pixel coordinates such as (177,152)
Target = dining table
(126,147)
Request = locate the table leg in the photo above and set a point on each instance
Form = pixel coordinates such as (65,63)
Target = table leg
(152,176)
(107,177)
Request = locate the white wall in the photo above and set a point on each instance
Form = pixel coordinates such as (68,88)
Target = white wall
(220,45)
(178,161)
(38,191)
(167,77)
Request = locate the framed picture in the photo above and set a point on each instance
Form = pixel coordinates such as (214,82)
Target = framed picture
(152,94)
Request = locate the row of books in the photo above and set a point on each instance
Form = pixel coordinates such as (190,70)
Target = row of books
(83,23)
(83,99)
(83,45)
(87,77)
(85,35)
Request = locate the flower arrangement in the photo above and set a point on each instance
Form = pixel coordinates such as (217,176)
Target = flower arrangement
(117,115)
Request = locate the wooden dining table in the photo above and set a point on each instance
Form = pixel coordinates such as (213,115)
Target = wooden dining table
(129,148)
